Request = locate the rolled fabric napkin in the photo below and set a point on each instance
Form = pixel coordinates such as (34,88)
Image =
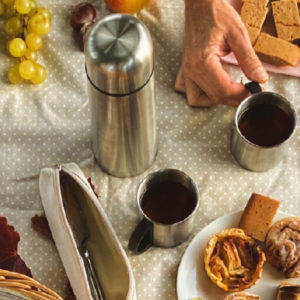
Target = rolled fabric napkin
(242,296)
(282,246)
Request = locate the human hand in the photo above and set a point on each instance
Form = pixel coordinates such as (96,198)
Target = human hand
(212,29)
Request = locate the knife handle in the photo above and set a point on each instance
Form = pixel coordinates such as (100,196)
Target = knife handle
(92,277)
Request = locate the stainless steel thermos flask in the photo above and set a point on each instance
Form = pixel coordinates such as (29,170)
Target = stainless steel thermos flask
(119,68)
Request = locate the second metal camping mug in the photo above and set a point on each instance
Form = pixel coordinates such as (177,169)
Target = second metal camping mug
(167,201)
(119,67)
(264,123)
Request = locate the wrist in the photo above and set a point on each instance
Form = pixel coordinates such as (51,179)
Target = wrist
(190,2)
(194,4)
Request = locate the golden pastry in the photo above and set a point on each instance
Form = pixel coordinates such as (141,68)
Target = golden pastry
(233,260)
(282,246)
(288,291)
(242,296)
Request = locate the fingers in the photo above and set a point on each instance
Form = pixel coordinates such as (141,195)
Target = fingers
(240,44)
(195,96)
(215,87)
(217,84)
(179,82)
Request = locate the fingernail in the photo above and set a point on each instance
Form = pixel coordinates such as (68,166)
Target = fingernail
(260,75)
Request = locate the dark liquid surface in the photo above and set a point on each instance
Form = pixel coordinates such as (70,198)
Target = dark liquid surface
(266,125)
(168,202)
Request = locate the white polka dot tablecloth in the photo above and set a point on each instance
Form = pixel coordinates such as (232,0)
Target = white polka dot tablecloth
(48,124)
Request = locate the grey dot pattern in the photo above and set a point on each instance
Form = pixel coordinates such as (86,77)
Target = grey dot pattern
(48,124)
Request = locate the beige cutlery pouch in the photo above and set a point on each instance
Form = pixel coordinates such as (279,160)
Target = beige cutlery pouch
(65,183)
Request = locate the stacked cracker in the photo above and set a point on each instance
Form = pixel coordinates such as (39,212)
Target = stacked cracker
(275,50)
(253,14)
(286,18)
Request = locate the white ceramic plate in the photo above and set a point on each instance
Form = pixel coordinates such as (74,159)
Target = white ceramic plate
(192,280)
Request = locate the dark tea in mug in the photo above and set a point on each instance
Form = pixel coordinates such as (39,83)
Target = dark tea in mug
(168,202)
(266,125)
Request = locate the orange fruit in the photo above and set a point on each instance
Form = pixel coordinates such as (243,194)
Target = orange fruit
(126,6)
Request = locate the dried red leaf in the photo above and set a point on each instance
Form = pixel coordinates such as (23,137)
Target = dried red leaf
(40,224)
(15,264)
(93,187)
(9,258)
(9,240)
(69,294)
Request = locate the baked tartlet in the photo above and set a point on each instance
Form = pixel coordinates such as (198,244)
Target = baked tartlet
(282,246)
(233,260)
(242,296)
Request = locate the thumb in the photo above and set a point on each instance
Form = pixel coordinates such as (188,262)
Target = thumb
(239,43)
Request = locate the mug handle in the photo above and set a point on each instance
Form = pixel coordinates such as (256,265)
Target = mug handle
(253,87)
(142,237)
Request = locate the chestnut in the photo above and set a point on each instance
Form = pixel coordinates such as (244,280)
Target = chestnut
(83,13)
(84,30)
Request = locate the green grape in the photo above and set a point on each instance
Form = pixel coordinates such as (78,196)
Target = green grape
(39,75)
(17,47)
(39,24)
(43,11)
(10,12)
(2,9)
(33,41)
(32,6)
(13,26)
(31,55)
(14,76)
(8,2)
(23,7)
(26,69)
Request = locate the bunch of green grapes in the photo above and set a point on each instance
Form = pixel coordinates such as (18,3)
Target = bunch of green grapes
(25,24)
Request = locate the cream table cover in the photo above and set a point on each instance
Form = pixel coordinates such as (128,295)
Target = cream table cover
(48,124)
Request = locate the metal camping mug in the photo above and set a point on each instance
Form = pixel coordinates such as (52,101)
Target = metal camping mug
(254,156)
(119,68)
(173,220)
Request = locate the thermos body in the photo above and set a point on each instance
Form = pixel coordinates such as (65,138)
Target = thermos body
(124,131)
(119,66)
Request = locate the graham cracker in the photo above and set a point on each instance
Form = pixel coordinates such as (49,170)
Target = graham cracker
(285,12)
(261,2)
(253,14)
(286,19)
(276,51)
(253,33)
(296,33)
(287,32)
(258,215)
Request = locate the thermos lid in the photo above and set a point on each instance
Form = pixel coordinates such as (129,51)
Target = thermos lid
(119,54)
